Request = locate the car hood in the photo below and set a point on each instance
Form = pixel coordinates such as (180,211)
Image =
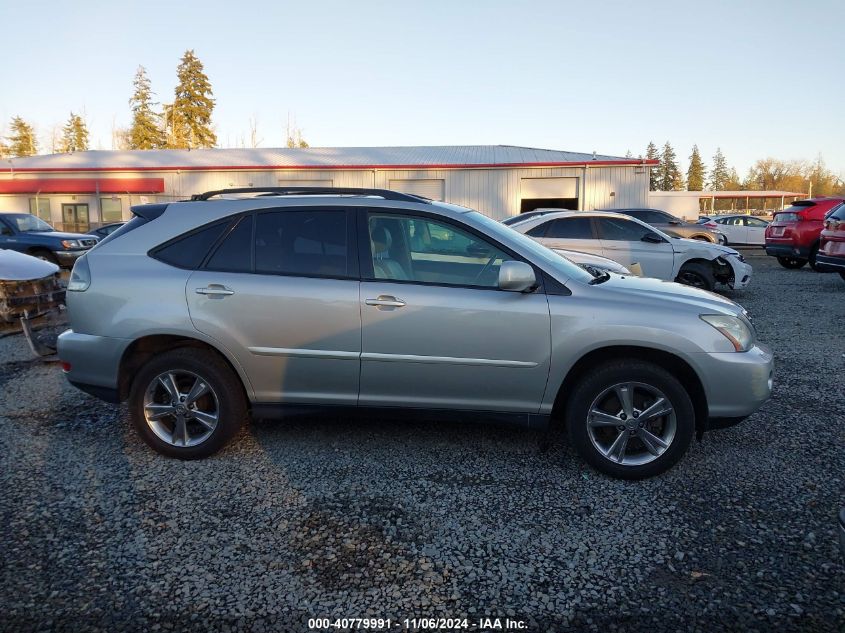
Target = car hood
(16,266)
(59,235)
(627,289)
(683,245)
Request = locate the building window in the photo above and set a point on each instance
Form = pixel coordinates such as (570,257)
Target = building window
(111,210)
(41,208)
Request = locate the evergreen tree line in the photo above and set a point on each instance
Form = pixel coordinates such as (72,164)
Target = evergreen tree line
(185,123)
(765,174)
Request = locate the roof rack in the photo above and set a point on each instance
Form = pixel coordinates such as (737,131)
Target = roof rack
(386,194)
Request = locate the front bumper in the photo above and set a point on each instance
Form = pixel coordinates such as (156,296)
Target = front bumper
(94,361)
(67,258)
(736,383)
(742,273)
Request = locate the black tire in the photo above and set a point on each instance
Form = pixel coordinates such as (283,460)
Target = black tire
(226,399)
(629,371)
(47,256)
(813,264)
(792,263)
(697,275)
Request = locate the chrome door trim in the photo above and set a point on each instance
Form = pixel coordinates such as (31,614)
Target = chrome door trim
(445,360)
(304,353)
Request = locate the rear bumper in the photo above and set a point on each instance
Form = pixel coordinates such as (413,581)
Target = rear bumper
(833,263)
(736,383)
(787,250)
(94,361)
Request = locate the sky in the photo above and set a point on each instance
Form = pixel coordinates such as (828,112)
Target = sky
(755,78)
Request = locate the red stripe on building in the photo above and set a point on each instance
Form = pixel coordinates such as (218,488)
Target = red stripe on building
(82,185)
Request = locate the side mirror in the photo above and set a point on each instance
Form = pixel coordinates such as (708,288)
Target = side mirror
(675,222)
(5,230)
(516,276)
(652,238)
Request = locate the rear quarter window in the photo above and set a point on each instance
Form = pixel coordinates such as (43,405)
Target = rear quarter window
(189,250)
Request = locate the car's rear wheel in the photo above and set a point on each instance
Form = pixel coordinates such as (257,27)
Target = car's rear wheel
(791,262)
(698,275)
(630,419)
(187,403)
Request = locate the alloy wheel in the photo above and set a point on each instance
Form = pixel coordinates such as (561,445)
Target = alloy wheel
(631,423)
(181,408)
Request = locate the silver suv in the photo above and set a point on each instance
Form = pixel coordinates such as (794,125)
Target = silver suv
(202,313)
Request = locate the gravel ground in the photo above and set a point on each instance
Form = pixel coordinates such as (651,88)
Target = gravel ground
(336,518)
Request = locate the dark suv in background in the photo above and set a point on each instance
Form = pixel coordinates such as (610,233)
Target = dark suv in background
(676,227)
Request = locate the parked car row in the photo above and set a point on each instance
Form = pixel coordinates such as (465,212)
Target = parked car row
(376,300)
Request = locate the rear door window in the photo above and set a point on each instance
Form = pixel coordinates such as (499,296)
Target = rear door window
(235,251)
(302,242)
(571,228)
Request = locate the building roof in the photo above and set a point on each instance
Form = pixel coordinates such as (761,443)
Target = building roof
(744,193)
(447,156)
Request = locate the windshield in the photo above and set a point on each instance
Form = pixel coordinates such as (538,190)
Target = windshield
(544,256)
(26,223)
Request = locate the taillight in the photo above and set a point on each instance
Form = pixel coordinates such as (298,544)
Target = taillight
(65,366)
(711,225)
(80,276)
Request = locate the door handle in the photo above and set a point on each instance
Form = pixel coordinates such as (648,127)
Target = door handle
(215,290)
(385,301)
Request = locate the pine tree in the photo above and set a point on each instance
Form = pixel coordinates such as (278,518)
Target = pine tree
(190,116)
(74,135)
(669,174)
(651,154)
(22,141)
(719,174)
(145,132)
(696,171)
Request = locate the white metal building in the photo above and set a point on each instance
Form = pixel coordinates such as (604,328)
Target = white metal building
(85,189)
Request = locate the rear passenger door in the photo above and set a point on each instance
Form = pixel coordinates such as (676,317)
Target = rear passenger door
(280,290)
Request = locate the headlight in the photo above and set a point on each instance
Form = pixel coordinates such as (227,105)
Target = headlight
(732,328)
(70,243)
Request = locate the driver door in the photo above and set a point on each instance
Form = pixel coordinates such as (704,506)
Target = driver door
(436,330)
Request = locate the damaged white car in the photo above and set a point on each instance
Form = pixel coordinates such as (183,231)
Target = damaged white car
(30,288)
(636,245)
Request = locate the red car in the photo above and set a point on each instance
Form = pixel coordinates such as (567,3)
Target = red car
(794,234)
(832,245)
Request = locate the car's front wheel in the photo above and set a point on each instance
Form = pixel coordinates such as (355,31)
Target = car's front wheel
(791,262)
(698,275)
(187,403)
(630,419)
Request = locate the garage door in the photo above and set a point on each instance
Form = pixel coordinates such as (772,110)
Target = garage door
(549,188)
(432,188)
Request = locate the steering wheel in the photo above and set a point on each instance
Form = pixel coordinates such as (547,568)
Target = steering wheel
(486,266)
